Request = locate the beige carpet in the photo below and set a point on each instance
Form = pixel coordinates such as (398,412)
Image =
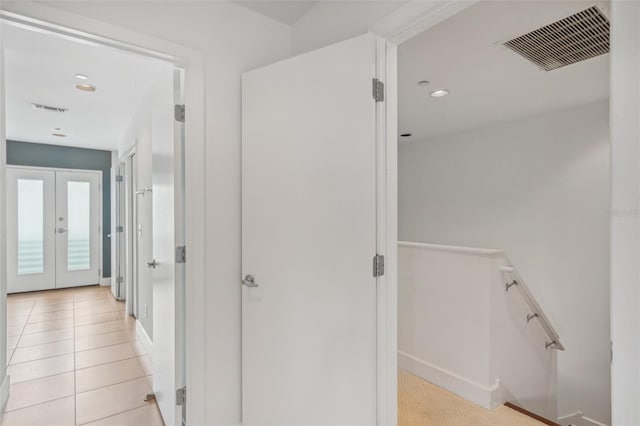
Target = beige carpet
(422,404)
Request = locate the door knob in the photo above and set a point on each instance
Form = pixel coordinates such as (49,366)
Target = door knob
(62,230)
(249,281)
(152,264)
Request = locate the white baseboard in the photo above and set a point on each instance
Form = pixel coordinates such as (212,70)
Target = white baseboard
(486,396)
(578,419)
(144,339)
(4,392)
(105,281)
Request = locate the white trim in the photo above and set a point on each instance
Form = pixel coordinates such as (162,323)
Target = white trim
(488,397)
(65,24)
(105,281)
(5,391)
(417,16)
(457,249)
(578,419)
(144,338)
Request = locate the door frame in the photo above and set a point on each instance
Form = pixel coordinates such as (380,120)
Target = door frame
(47,19)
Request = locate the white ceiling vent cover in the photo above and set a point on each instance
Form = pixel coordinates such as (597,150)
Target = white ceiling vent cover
(572,39)
(49,108)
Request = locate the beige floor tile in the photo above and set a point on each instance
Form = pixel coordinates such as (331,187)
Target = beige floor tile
(45,337)
(108,374)
(93,296)
(111,400)
(100,340)
(50,316)
(95,303)
(60,412)
(47,350)
(38,327)
(104,355)
(14,330)
(99,328)
(101,309)
(41,390)
(15,303)
(97,318)
(146,363)
(12,341)
(40,368)
(148,415)
(38,309)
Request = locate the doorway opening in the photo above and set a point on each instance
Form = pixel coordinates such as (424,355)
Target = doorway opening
(93,251)
(503,194)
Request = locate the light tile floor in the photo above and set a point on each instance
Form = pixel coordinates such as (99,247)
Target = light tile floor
(74,359)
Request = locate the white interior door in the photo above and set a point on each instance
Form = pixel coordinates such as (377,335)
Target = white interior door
(168,234)
(77,228)
(308,239)
(30,223)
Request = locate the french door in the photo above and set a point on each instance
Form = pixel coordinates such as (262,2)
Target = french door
(53,229)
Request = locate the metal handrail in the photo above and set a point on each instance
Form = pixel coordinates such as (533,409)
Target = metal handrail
(515,280)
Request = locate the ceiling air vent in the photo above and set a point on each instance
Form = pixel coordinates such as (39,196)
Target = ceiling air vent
(49,108)
(573,39)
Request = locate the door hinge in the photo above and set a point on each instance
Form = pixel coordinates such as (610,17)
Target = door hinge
(378,265)
(119,280)
(181,396)
(378,90)
(181,254)
(180,113)
(119,178)
(120,228)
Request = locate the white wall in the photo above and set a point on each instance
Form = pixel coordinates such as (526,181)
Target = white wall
(625,211)
(460,329)
(142,130)
(539,189)
(232,40)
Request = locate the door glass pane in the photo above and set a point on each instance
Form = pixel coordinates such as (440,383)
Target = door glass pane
(79,225)
(30,226)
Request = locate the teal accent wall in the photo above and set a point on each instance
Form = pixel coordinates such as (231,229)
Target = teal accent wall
(64,157)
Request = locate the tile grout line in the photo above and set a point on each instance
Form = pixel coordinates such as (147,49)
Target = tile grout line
(21,333)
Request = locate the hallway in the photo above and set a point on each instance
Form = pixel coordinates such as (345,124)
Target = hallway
(74,359)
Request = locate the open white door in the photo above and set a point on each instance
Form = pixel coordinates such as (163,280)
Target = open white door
(168,235)
(309,232)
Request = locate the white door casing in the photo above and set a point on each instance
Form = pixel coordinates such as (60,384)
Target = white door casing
(309,235)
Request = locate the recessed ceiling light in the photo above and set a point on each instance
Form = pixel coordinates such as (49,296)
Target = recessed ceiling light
(439,93)
(82,77)
(60,135)
(406,135)
(85,87)
(423,83)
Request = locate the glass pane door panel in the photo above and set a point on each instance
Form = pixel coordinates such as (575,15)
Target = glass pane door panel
(30,202)
(79,225)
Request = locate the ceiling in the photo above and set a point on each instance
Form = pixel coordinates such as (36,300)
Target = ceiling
(489,83)
(41,68)
(287,12)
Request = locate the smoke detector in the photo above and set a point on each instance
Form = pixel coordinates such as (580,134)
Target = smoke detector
(573,39)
